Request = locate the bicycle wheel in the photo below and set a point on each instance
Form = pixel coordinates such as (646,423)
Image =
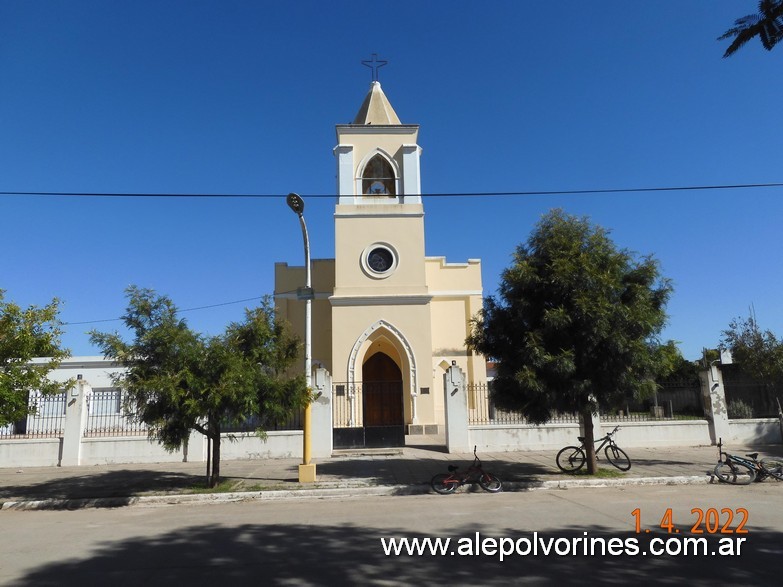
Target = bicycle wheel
(617,457)
(734,473)
(773,467)
(570,459)
(490,483)
(444,483)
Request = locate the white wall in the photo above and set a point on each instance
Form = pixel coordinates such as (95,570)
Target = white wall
(30,452)
(755,430)
(631,434)
(278,445)
(660,433)
(45,452)
(556,436)
(284,444)
(506,438)
(126,449)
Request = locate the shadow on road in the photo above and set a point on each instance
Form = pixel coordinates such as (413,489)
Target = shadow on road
(123,483)
(336,555)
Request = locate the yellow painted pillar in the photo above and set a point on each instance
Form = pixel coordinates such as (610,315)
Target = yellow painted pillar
(307,469)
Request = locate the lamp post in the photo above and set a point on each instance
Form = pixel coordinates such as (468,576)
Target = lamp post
(306,469)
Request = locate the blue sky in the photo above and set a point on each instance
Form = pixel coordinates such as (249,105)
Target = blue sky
(242,97)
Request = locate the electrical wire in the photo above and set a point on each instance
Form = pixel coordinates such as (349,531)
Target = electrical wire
(432,195)
(180,311)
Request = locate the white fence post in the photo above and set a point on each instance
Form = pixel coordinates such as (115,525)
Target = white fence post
(714,396)
(456,402)
(75,419)
(321,431)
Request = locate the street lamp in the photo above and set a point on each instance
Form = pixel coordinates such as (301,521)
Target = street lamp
(306,469)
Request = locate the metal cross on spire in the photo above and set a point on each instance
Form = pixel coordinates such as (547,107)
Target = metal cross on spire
(375,64)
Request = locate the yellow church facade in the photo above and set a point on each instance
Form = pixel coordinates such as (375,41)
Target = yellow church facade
(387,320)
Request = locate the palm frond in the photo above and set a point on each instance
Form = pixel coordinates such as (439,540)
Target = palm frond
(743,32)
(767,25)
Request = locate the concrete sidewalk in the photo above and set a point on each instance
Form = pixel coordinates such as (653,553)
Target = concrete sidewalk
(393,471)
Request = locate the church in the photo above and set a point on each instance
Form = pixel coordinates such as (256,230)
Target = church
(387,320)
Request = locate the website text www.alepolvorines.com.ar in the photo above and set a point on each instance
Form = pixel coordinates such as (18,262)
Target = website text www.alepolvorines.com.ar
(537,544)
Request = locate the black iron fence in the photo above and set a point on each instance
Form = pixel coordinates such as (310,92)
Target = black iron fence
(483,411)
(747,397)
(674,401)
(46,421)
(105,415)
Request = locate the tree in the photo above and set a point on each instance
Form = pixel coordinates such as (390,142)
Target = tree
(574,326)
(674,367)
(26,334)
(177,380)
(759,353)
(767,25)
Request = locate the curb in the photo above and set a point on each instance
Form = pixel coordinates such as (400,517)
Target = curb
(576,483)
(343,490)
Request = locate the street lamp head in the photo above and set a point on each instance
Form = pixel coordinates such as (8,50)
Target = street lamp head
(296,203)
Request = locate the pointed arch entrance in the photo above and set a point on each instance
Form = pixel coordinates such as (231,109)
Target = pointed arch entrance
(378,398)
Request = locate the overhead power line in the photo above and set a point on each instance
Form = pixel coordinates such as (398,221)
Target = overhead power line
(432,195)
(178,310)
(207,307)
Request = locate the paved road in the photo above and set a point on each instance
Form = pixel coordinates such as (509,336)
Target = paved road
(337,541)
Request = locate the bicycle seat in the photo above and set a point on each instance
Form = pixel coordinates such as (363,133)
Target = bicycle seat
(753,455)
(580,438)
(453,468)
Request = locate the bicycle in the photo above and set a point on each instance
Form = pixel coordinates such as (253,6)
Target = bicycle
(446,483)
(738,470)
(572,458)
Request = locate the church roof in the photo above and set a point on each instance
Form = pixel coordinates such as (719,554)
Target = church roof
(376,108)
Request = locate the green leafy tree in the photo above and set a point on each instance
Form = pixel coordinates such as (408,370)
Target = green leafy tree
(26,334)
(177,380)
(673,366)
(767,25)
(574,326)
(758,352)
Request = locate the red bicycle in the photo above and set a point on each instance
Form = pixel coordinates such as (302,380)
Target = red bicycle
(448,482)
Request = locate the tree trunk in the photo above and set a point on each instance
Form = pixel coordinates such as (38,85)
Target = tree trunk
(209,457)
(214,478)
(592,461)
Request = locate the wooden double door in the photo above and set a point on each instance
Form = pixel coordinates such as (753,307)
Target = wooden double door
(383,414)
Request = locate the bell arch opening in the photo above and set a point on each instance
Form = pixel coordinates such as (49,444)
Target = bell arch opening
(378,177)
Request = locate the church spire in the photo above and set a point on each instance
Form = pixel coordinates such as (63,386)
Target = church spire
(376,108)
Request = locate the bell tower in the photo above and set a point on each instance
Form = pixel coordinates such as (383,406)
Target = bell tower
(380,302)
(379,217)
(377,155)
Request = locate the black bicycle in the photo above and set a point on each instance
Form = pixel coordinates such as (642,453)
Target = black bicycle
(738,470)
(448,482)
(572,458)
